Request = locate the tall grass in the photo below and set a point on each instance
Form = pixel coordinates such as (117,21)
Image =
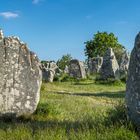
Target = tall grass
(71,111)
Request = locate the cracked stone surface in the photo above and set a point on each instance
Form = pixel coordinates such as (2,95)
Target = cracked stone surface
(133,84)
(94,64)
(77,69)
(20,77)
(110,67)
(124,64)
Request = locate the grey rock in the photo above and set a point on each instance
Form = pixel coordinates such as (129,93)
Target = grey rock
(77,69)
(133,84)
(124,64)
(94,64)
(48,75)
(110,67)
(1,35)
(50,70)
(20,76)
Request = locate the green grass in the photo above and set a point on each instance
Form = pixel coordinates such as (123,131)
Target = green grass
(74,111)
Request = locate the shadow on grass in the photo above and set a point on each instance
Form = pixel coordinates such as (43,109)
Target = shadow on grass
(79,83)
(116,118)
(120,94)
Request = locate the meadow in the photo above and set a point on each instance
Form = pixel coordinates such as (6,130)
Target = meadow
(75,110)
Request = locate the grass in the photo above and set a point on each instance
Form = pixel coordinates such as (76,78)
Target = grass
(74,111)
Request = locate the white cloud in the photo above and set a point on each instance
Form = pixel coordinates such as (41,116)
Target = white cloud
(36,1)
(9,15)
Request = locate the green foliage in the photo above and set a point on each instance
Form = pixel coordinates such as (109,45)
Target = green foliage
(109,81)
(61,63)
(64,78)
(99,44)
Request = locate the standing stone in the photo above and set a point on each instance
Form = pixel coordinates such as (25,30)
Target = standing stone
(47,74)
(77,69)
(110,67)
(49,71)
(94,64)
(124,64)
(133,84)
(20,78)
(1,35)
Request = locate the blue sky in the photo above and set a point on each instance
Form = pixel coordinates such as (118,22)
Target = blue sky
(52,28)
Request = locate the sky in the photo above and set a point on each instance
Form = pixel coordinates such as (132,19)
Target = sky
(52,28)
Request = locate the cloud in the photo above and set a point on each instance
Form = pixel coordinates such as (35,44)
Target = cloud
(8,15)
(35,1)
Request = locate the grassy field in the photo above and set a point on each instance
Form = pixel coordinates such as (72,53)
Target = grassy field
(74,111)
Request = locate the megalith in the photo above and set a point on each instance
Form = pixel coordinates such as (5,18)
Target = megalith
(133,84)
(94,65)
(124,64)
(77,69)
(110,67)
(20,77)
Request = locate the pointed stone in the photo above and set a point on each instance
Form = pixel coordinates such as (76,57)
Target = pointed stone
(124,64)
(110,67)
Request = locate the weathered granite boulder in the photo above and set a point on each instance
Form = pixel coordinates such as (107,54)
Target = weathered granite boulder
(49,71)
(124,64)
(77,69)
(110,67)
(133,84)
(20,78)
(94,64)
(47,74)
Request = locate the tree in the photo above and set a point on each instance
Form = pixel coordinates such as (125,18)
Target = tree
(61,63)
(100,43)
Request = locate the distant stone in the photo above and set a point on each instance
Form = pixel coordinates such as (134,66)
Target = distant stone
(94,64)
(77,69)
(124,64)
(47,74)
(20,76)
(49,71)
(133,84)
(66,70)
(1,35)
(110,67)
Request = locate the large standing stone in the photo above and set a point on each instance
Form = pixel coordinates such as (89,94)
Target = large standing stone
(110,67)
(133,84)
(124,64)
(20,77)
(77,69)
(94,64)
